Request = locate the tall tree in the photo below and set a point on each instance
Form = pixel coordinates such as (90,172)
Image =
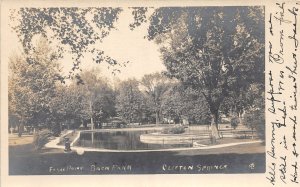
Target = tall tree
(183,102)
(130,101)
(32,84)
(155,86)
(217,50)
(68,105)
(97,96)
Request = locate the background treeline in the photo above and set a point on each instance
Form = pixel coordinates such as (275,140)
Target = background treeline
(38,98)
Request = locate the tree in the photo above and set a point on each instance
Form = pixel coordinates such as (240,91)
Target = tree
(155,86)
(217,50)
(237,104)
(195,107)
(183,102)
(255,112)
(32,83)
(130,101)
(172,105)
(96,96)
(67,105)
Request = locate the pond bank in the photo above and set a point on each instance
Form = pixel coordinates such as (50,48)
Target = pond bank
(159,138)
(197,142)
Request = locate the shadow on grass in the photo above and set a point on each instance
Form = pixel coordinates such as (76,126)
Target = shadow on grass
(25,161)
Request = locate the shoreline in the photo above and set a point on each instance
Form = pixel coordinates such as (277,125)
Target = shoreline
(81,150)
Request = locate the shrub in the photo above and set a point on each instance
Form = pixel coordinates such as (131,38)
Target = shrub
(55,129)
(173,130)
(41,138)
(234,122)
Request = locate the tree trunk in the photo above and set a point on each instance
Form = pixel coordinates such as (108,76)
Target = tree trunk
(91,113)
(84,124)
(240,118)
(214,126)
(92,128)
(92,124)
(21,127)
(157,117)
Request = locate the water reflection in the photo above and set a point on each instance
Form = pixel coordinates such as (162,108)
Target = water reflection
(121,140)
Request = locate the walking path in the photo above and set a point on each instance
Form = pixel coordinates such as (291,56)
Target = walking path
(54,143)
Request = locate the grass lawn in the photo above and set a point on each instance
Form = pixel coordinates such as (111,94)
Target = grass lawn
(14,140)
(227,141)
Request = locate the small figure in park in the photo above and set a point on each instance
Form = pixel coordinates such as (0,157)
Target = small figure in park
(67,145)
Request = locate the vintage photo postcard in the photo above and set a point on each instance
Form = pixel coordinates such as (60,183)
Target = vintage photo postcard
(149,93)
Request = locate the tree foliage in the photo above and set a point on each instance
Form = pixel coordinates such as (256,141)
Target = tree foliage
(155,86)
(32,84)
(255,119)
(67,106)
(76,31)
(130,101)
(217,50)
(183,102)
(96,95)
(217,53)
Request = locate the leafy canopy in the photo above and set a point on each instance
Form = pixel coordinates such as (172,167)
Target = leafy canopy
(217,50)
(32,84)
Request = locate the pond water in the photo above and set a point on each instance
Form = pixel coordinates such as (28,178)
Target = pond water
(122,140)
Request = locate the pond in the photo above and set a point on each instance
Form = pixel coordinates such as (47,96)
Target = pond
(122,140)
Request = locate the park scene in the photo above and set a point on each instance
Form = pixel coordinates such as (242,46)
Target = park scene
(137,90)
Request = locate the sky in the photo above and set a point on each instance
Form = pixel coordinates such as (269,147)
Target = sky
(126,45)
(123,45)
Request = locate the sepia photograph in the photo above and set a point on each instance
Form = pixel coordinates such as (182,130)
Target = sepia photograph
(136,90)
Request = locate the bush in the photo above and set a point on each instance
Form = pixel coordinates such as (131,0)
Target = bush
(256,120)
(234,122)
(41,138)
(173,130)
